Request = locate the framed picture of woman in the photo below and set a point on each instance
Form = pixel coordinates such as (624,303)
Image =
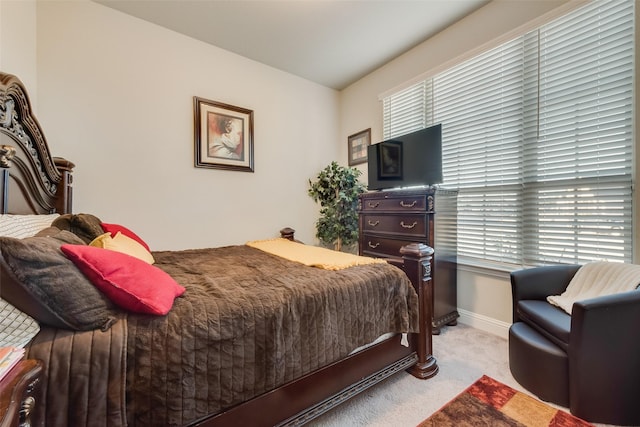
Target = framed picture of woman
(223,136)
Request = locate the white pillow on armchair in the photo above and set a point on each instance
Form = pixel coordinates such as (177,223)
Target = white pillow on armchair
(595,279)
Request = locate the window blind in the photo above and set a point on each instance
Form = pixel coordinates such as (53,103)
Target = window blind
(480,106)
(537,138)
(577,184)
(407,110)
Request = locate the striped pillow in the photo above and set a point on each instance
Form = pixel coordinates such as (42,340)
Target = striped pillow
(21,226)
(16,327)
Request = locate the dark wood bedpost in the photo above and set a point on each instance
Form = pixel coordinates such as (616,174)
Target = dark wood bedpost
(6,155)
(288,233)
(64,192)
(417,265)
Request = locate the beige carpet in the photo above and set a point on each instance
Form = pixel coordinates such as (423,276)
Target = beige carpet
(464,355)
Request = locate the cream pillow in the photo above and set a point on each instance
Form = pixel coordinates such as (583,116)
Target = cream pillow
(16,327)
(22,226)
(123,244)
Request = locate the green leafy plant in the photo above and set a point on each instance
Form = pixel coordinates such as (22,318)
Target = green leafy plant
(336,188)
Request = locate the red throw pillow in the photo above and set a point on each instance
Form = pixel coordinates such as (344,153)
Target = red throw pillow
(114,228)
(127,281)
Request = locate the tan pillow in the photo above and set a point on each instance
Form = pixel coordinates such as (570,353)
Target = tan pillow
(123,244)
(85,226)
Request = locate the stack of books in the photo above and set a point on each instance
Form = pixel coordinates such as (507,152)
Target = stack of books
(9,357)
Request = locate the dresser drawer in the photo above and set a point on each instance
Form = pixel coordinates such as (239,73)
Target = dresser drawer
(399,224)
(394,203)
(384,247)
(390,220)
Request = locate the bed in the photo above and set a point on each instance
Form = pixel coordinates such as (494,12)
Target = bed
(251,339)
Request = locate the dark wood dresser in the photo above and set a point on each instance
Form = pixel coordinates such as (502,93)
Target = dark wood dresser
(16,393)
(390,220)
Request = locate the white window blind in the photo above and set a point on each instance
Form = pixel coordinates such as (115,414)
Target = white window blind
(578,171)
(537,138)
(480,104)
(407,110)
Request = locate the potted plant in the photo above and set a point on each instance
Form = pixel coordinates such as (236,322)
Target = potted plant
(336,188)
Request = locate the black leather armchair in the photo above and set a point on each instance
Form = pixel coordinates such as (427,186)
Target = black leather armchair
(588,361)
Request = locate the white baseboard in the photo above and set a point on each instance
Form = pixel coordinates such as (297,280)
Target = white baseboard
(484,323)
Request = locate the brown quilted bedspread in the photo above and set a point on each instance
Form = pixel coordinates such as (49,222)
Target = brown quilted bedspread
(83,378)
(250,322)
(247,323)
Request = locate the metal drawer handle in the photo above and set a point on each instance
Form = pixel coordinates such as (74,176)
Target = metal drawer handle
(408,226)
(405,205)
(373,246)
(373,205)
(373,223)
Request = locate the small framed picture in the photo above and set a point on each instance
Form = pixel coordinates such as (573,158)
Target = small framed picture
(390,160)
(223,136)
(357,146)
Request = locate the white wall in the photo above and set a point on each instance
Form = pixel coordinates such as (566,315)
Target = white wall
(116,98)
(484,297)
(18,42)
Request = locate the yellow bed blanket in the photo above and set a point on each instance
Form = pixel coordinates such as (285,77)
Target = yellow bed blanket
(312,256)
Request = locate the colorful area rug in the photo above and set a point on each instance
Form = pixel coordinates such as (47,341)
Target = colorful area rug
(488,402)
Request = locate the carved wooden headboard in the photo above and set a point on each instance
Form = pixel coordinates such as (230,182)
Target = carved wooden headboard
(31,180)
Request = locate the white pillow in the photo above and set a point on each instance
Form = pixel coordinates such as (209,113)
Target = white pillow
(595,279)
(21,226)
(16,328)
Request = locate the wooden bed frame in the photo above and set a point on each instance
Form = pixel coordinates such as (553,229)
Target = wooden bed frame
(34,182)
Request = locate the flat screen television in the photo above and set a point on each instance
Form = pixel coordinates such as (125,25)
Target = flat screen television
(414,159)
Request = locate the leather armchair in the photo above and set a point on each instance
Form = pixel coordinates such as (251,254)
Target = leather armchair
(588,361)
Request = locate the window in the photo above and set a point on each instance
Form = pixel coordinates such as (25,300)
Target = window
(537,138)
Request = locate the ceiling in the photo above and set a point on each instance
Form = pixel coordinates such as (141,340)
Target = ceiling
(331,42)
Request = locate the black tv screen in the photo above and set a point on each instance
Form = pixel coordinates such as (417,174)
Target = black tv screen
(414,159)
